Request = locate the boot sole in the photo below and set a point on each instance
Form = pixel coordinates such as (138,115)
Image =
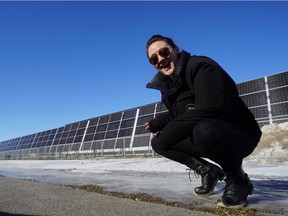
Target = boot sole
(212,189)
(204,195)
(241,205)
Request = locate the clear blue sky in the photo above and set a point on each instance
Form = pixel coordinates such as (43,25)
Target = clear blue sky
(62,62)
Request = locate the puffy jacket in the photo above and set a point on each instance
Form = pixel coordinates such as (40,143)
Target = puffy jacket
(201,89)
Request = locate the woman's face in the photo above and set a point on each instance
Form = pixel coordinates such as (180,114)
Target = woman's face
(163,57)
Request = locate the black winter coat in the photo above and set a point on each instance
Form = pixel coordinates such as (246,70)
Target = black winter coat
(202,90)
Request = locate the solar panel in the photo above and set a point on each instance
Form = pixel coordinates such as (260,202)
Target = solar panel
(116,130)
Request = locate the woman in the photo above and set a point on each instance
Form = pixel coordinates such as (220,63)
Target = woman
(206,119)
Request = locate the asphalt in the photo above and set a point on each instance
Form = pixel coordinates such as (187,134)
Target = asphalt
(22,197)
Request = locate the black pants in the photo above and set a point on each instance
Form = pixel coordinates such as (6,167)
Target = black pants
(220,141)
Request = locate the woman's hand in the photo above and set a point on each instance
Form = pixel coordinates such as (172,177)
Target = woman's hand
(147,127)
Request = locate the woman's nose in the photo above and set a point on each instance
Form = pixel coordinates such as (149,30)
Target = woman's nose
(160,58)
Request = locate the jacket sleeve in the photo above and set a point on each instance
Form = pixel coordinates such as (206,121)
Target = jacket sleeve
(159,122)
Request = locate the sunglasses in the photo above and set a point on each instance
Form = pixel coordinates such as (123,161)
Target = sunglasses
(163,52)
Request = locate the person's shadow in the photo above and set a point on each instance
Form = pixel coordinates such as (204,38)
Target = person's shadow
(270,190)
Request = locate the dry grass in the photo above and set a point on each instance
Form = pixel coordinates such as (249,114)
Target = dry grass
(196,206)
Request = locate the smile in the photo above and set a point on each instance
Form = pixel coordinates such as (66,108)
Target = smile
(165,63)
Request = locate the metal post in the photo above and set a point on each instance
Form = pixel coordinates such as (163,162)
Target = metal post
(268,100)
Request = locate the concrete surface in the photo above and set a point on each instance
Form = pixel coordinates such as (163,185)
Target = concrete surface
(21,197)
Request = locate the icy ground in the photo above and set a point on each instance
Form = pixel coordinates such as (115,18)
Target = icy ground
(156,176)
(267,167)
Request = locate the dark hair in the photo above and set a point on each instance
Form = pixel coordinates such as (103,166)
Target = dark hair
(158,37)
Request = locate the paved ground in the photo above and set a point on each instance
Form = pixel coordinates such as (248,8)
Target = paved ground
(21,197)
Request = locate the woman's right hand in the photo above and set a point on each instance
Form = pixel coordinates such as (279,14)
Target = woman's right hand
(147,127)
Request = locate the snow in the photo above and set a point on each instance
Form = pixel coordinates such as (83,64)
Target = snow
(138,164)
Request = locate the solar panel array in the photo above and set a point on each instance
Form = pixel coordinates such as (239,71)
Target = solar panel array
(267,98)
(122,133)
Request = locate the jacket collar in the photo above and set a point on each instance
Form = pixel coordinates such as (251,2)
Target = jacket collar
(162,82)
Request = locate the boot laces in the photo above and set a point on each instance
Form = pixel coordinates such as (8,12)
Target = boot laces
(195,174)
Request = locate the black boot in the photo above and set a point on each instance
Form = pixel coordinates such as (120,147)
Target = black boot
(210,174)
(238,187)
